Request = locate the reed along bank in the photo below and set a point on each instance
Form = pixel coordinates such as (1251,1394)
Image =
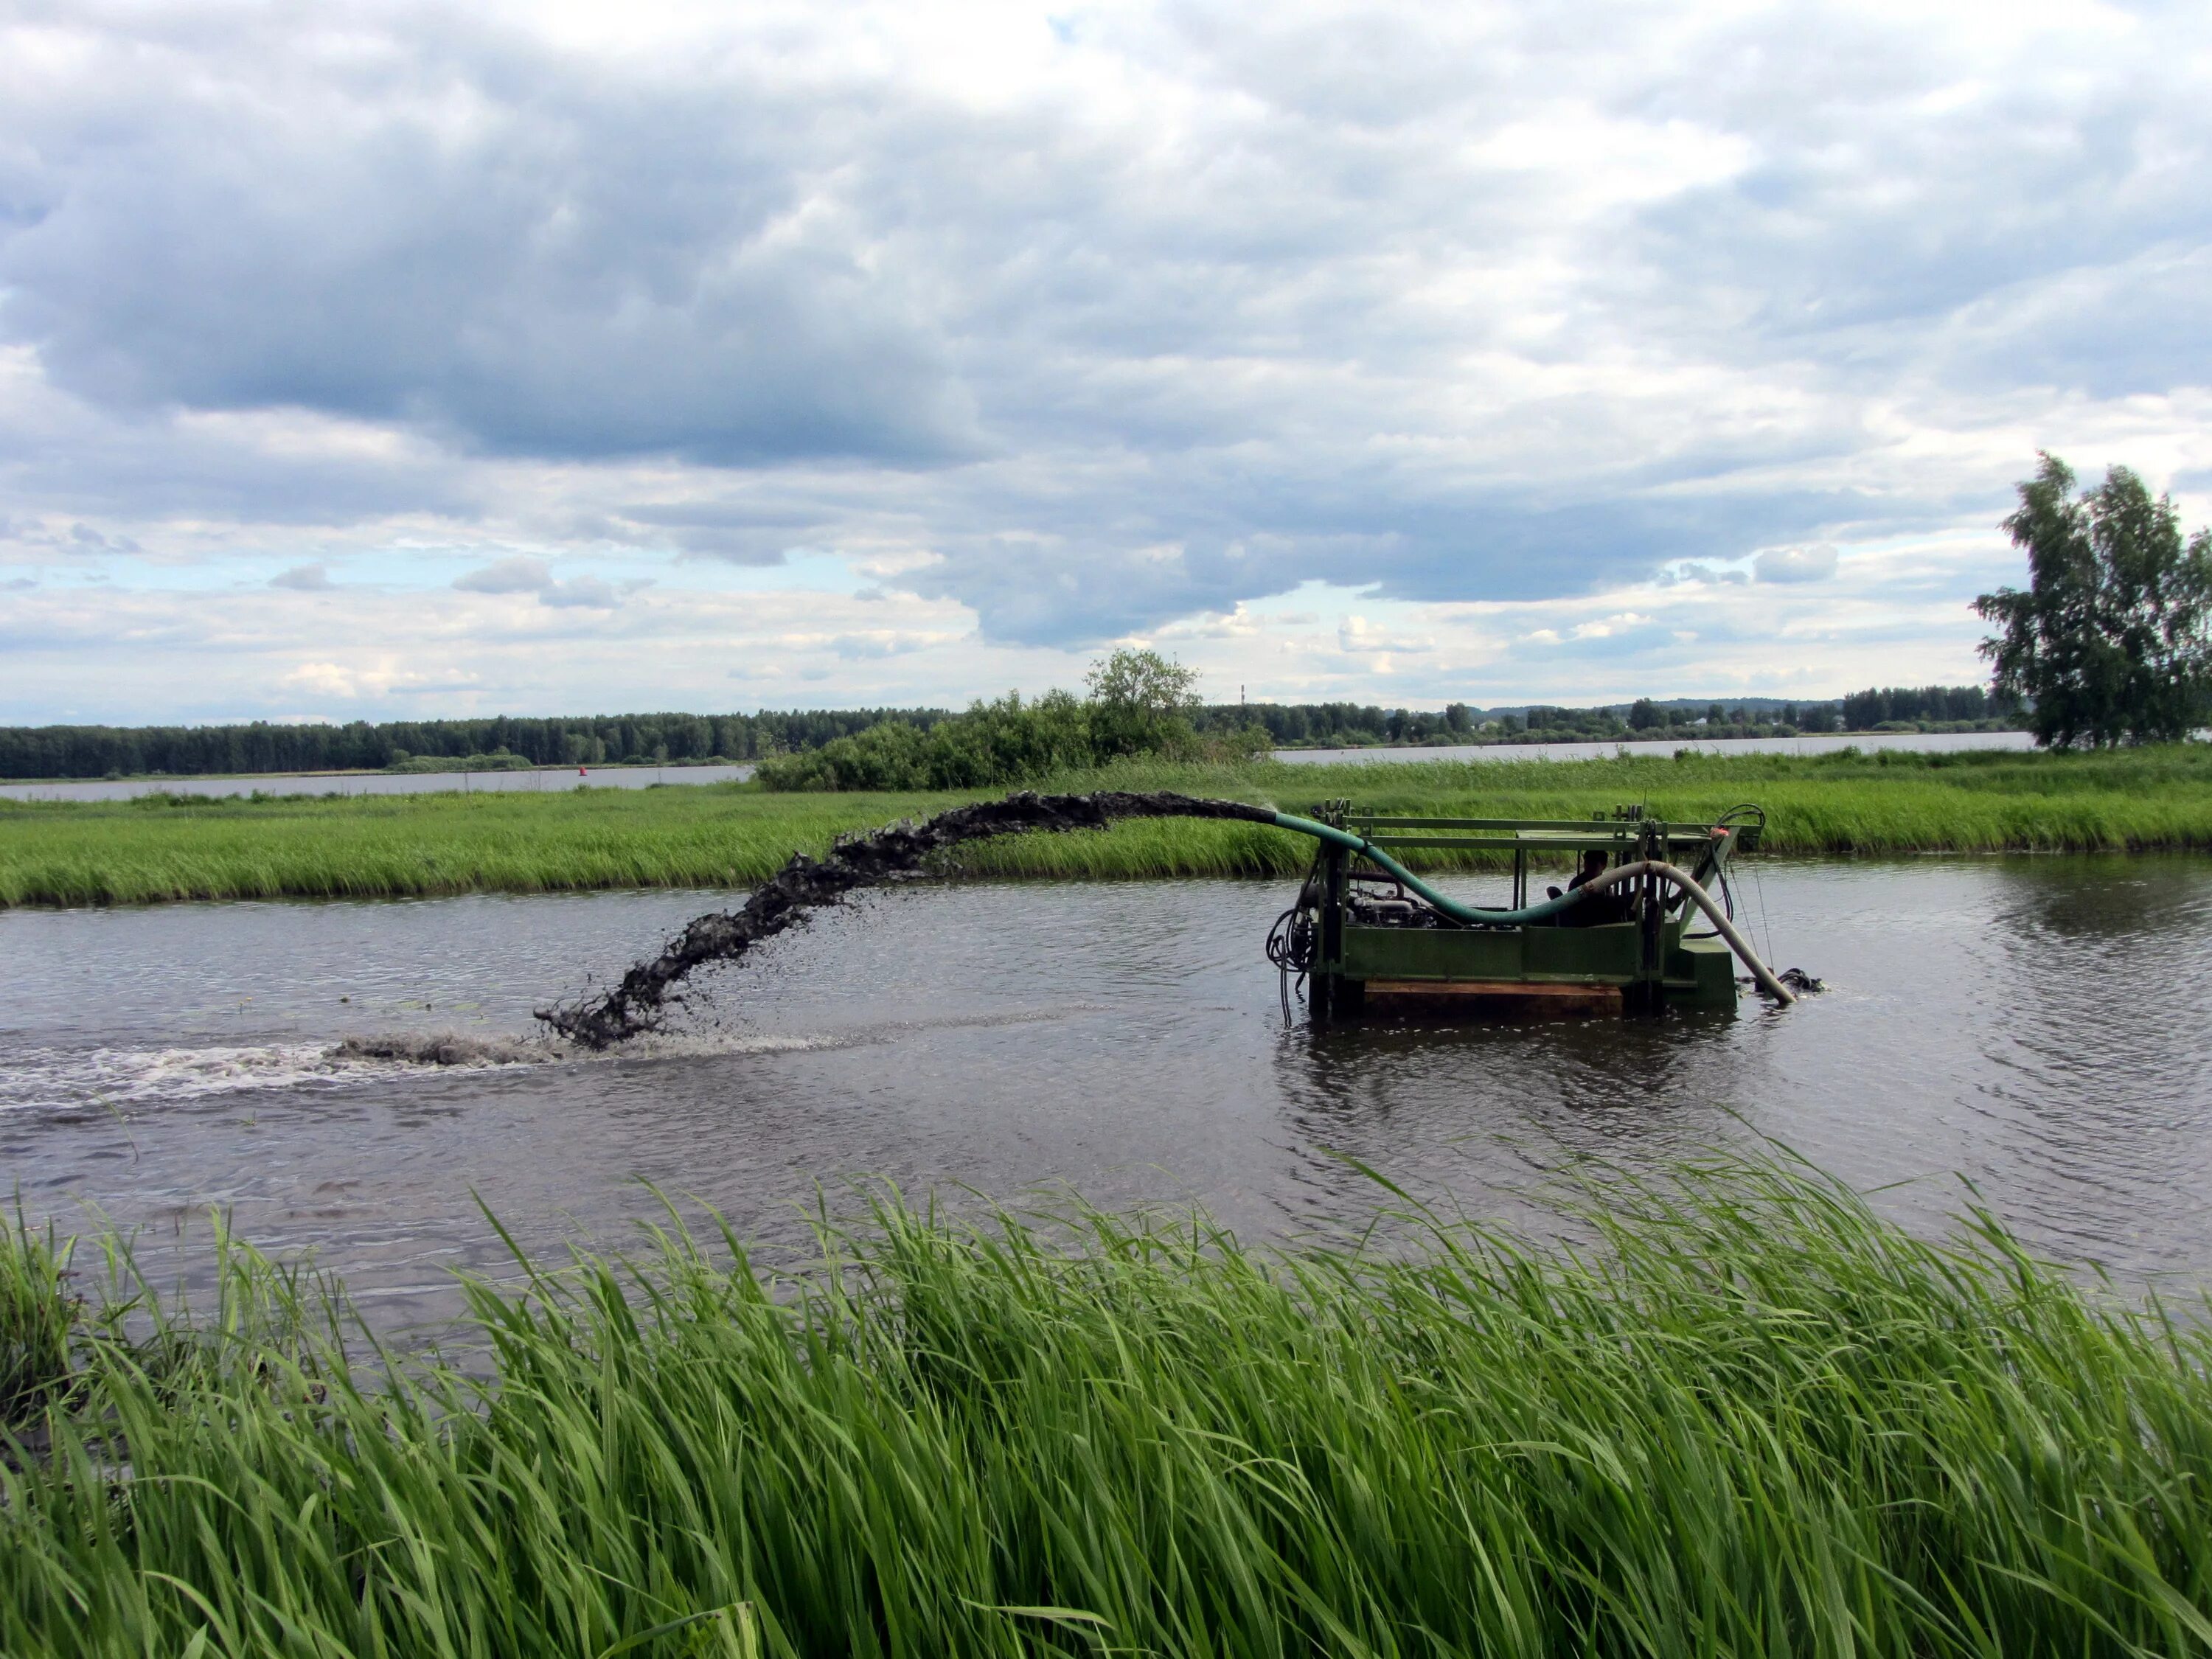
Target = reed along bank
(160,847)
(1744,1416)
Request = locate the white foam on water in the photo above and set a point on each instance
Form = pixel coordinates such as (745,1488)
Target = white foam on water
(115,1078)
(119,1077)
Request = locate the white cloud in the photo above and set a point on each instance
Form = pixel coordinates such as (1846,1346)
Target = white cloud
(372,677)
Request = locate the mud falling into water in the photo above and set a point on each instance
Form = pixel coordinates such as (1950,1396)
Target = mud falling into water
(637,1003)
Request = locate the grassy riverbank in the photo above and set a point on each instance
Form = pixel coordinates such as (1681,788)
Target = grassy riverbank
(721,835)
(1754,1420)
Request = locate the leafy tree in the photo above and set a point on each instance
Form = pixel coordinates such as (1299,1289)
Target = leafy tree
(1142,680)
(1643,715)
(2110,642)
(1141,703)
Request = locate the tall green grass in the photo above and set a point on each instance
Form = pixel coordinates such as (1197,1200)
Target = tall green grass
(38,1318)
(726,836)
(1747,1417)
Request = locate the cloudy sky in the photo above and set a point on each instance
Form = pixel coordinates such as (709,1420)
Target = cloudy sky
(372,361)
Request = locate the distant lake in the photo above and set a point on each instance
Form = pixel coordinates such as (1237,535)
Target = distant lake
(380,783)
(1606,748)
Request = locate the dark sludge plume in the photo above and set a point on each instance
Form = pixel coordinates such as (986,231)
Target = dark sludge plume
(637,1004)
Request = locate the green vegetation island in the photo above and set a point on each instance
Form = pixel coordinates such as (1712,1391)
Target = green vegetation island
(55,753)
(164,848)
(1744,1415)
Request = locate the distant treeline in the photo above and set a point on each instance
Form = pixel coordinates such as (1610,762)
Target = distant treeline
(1348,724)
(1864,711)
(93,751)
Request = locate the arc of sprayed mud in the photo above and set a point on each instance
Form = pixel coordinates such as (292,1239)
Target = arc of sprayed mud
(636,1004)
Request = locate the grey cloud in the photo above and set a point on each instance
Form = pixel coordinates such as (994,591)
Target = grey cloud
(1797,564)
(86,539)
(79,540)
(70,458)
(304,579)
(19,584)
(733,532)
(507,576)
(1505,544)
(527,576)
(717,515)
(585,592)
(593,267)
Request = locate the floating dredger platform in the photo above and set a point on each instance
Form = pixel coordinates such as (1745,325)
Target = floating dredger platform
(1639,932)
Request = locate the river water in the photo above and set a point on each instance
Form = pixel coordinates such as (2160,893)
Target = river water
(2035,1025)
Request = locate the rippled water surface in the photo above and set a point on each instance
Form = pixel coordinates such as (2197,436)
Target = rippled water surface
(2038,1026)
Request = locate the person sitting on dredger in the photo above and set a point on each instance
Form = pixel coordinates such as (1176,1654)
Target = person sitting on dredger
(1598,909)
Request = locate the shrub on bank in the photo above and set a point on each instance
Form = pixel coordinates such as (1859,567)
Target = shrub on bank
(498,760)
(1002,745)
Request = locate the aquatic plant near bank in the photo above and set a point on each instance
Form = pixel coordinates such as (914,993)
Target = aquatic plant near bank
(1748,1417)
(722,835)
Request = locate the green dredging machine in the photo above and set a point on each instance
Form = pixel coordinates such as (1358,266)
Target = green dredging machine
(1366,931)
(1641,930)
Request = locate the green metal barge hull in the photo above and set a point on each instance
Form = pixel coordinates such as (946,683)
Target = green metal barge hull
(1521,971)
(1396,950)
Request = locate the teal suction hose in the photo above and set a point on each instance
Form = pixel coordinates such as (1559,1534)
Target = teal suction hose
(1472,916)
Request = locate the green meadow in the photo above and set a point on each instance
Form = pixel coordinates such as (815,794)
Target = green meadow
(717,835)
(1745,1417)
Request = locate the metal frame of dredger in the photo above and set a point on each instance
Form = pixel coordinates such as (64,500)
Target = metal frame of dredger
(1530,957)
